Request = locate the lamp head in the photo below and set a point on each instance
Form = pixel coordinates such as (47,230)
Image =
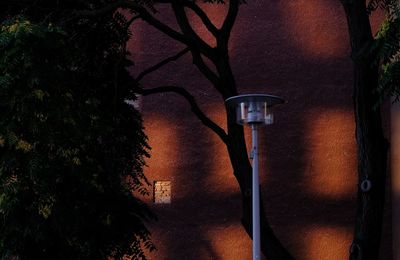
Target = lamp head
(253,108)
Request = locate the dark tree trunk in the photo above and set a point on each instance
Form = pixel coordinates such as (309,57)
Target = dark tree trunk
(270,245)
(371,145)
(238,154)
(224,82)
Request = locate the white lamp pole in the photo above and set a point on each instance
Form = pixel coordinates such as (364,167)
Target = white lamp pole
(256,194)
(253,110)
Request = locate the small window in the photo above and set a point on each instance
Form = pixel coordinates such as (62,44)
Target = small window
(162,192)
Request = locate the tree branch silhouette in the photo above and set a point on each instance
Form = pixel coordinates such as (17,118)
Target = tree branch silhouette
(193,105)
(161,63)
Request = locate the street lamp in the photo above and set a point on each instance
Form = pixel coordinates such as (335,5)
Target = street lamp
(254,110)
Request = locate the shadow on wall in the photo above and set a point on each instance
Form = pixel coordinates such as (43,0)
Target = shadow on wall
(299,48)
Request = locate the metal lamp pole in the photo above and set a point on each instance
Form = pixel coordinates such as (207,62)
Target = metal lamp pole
(256,194)
(253,110)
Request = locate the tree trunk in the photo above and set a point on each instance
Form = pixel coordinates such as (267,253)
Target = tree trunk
(238,154)
(270,245)
(371,145)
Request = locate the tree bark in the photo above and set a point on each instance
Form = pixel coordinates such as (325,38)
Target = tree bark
(224,82)
(271,247)
(371,145)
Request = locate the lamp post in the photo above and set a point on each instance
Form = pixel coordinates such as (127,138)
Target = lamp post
(254,110)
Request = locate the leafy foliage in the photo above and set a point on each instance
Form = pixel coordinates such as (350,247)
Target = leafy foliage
(71,149)
(388,5)
(386,47)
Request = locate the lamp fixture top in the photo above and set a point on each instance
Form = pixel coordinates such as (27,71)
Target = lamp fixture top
(270,99)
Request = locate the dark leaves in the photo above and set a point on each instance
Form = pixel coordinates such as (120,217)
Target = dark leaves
(386,49)
(71,149)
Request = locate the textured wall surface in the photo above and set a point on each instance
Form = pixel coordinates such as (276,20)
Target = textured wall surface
(295,49)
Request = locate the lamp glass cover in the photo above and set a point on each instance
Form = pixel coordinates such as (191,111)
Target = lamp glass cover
(253,112)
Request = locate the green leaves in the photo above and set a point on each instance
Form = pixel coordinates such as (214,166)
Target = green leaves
(386,49)
(5,81)
(68,151)
(388,5)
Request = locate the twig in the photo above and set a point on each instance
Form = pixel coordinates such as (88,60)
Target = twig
(230,18)
(162,63)
(203,16)
(195,108)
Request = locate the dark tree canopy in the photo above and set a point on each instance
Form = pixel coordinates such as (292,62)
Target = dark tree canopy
(71,149)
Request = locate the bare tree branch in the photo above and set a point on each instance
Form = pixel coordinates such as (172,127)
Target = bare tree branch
(204,69)
(230,18)
(203,16)
(195,42)
(162,63)
(189,38)
(195,108)
(134,18)
(147,17)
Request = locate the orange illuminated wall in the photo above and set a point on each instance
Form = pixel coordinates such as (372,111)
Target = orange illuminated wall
(295,49)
